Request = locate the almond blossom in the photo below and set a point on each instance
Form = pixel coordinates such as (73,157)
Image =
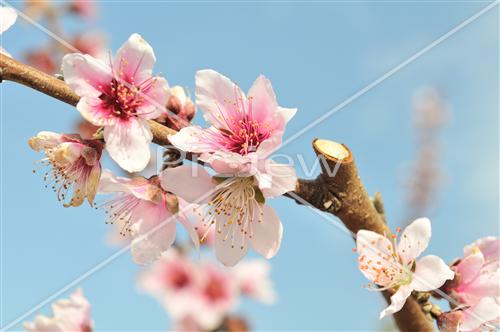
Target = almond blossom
(389,265)
(71,315)
(74,164)
(120,96)
(478,273)
(244,131)
(145,212)
(8,17)
(234,206)
(180,105)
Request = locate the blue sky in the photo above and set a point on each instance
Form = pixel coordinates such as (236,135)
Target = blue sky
(316,55)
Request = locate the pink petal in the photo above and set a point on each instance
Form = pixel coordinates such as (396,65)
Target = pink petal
(376,248)
(217,96)
(486,311)
(414,240)
(263,100)
(190,182)
(397,301)
(430,273)
(470,266)
(96,112)
(85,74)
(155,99)
(228,163)
(489,247)
(286,113)
(134,61)
(486,284)
(8,16)
(128,144)
(266,234)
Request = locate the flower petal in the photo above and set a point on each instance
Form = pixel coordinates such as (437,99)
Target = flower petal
(489,247)
(275,179)
(414,240)
(217,96)
(191,183)
(230,244)
(128,144)
(85,74)
(373,247)
(194,139)
(263,100)
(8,16)
(44,140)
(397,301)
(155,98)
(430,273)
(266,231)
(470,266)
(96,112)
(134,61)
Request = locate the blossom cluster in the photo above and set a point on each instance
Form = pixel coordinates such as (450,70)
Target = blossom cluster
(199,295)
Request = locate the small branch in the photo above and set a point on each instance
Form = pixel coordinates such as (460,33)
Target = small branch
(337,190)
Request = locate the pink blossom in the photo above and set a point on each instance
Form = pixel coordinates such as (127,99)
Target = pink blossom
(201,294)
(120,96)
(234,206)
(92,43)
(481,317)
(478,272)
(8,17)
(74,163)
(72,315)
(42,59)
(146,212)
(244,131)
(394,266)
(253,279)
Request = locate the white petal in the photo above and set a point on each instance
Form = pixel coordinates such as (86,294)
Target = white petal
(414,240)
(153,241)
(430,273)
(276,179)
(230,247)
(266,234)
(128,144)
(373,247)
(287,113)
(8,16)
(134,61)
(397,301)
(263,99)
(216,96)
(85,74)
(193,139)
(190,182)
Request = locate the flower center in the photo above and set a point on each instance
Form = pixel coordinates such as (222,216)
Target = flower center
(245,135)
(123,99)
(214,290)
(232,209)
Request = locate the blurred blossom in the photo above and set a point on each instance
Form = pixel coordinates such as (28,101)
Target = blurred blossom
(146,212)
(395,266)
(74,164)
(42,59)
(8,17)
(92,43)
(182,108)
(72,315)
(201,295)
(84,8)
(37,8)
(253,278)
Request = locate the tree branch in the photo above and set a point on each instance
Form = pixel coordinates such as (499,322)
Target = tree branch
(337,190)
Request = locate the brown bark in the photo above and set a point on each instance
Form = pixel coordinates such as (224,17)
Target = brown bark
(341,193)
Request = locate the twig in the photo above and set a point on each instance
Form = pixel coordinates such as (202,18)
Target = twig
(337,190)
